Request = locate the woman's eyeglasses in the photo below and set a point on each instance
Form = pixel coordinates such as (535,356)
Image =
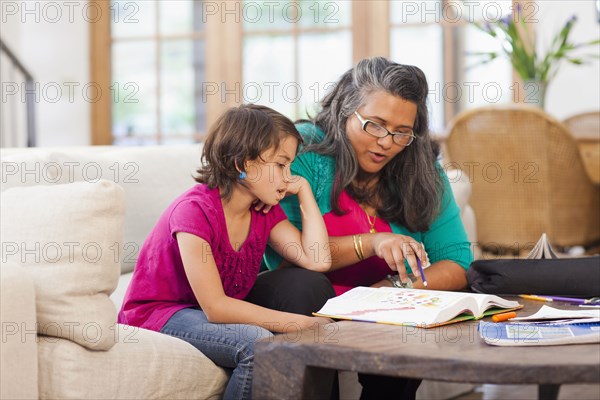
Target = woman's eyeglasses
(403,138)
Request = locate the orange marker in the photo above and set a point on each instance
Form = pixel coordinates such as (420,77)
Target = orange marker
(504,316)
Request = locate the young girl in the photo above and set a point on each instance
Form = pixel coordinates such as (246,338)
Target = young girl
(203,256)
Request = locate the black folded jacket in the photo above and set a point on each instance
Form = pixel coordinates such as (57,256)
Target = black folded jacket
(578,277)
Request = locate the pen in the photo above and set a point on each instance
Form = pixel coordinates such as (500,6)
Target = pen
(567,299)
(555,298)
(534,297)
(421,272)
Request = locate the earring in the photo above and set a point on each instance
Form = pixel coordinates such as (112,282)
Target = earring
(243,175)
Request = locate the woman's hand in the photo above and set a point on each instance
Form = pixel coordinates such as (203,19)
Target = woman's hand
(394,249)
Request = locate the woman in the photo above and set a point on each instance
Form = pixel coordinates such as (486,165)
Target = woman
(385,200)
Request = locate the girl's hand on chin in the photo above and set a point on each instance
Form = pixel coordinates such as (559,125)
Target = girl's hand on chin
(296,184)
(294,187)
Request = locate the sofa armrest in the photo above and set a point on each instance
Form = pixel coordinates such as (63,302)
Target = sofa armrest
(18,347)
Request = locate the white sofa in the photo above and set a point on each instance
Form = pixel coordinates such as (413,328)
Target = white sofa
(61,208)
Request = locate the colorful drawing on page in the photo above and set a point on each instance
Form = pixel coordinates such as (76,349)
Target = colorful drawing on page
(358,313)
(412,299)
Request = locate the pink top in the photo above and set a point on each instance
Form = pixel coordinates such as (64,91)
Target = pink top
(159,286)
(363,273)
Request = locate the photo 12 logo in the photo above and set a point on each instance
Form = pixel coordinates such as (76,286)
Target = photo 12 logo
(50,11)
(55,172)
(455,11)
(53,92)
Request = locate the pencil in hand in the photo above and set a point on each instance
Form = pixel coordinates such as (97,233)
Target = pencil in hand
(421,272)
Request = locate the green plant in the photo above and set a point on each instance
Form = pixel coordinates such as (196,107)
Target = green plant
(519,48)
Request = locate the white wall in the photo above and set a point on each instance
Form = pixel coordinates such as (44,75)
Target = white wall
(576,88)
(51,40)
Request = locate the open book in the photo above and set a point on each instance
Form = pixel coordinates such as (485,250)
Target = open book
(422,308)
(542,249)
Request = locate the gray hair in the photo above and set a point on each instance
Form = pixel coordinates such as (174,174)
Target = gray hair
(409,186)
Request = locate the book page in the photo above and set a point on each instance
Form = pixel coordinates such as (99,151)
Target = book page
(542,249)
(485,302)
(550,313)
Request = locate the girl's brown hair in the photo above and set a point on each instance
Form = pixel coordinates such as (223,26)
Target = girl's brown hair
(241,134)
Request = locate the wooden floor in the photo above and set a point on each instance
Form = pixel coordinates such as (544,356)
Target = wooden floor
(529,392)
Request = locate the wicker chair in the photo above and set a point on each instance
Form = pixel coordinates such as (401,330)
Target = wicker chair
(527,177)
(585,125)
(585,128)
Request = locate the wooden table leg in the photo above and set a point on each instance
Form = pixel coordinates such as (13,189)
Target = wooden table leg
(291,379)
(548,392)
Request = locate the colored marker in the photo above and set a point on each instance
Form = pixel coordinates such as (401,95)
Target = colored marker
(504,316)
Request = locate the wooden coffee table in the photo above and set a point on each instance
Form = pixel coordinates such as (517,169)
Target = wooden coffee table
(302,365)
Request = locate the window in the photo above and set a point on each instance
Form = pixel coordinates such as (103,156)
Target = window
(417,38)
(436,36)
(172,67)
(294,51)
(482,85)
(158,65)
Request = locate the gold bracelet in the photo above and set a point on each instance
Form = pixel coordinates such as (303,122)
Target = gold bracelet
(356,247)
(362,254)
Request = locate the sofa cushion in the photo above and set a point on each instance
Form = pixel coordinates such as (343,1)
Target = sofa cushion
(64,236)
(152,178)
(142,365)
(29,168)
(18,351)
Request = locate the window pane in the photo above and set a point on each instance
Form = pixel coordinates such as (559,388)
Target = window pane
(405,11)
(199,81)
(325,14)
(177,87)
(484,10)
(483,84)
(147,140)
(422,46)
(133,18)
(133,88)
(323,58)
(267,15)
(269,80)
(176,16)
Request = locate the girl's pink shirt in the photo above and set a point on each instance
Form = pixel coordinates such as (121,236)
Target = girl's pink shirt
(159,286)
(355,221)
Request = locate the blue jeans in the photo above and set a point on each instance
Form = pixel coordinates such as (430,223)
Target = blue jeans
(229,346)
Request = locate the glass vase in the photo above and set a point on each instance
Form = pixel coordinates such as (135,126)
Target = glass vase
(534,92)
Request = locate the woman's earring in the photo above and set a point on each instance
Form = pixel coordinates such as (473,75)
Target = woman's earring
(243,175)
